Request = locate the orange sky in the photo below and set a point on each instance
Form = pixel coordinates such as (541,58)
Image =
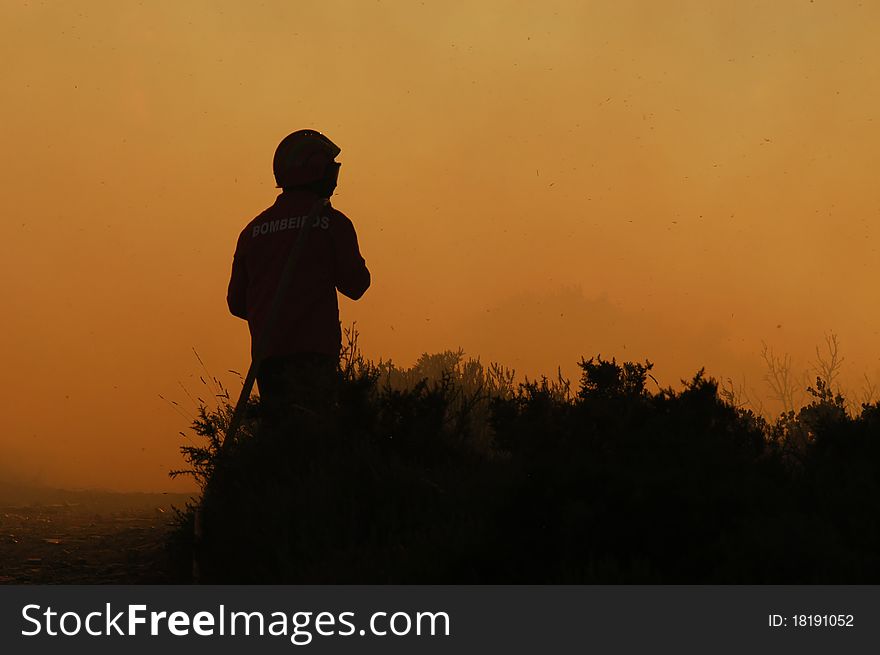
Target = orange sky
(541,180)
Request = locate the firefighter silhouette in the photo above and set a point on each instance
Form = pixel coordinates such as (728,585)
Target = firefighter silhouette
(296,337)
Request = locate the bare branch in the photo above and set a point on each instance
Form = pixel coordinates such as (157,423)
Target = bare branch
(828,366)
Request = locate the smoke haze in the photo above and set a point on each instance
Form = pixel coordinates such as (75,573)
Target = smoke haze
(532,182)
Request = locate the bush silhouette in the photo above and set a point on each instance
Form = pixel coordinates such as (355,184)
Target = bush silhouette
(447,472)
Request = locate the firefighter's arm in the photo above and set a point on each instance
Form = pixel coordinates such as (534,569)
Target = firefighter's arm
(236,296)
(352,275)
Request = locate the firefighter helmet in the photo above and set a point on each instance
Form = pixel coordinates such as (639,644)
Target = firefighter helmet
(304,157)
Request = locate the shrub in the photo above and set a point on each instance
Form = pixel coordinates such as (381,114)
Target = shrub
(447,472)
